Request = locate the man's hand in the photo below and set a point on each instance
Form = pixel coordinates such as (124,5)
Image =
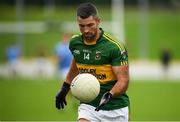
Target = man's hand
(61,96)
(105,99)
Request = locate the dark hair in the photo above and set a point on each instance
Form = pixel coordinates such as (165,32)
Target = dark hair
(85,10)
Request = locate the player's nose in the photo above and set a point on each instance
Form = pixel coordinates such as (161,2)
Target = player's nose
(86,30)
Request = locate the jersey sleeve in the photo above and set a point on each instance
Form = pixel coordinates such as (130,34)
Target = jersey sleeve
(71,44)
(119,56)
(74,41)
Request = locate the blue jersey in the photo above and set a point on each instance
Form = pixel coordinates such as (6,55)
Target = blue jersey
(63,53)
(13,53)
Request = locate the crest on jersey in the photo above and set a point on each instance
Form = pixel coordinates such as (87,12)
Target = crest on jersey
(98,55)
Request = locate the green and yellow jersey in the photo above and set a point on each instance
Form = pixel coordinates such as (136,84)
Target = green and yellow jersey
(98,60)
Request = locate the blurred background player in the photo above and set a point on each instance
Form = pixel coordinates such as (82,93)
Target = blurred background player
(63,55)
(165,60)
(13,54)
(41,60)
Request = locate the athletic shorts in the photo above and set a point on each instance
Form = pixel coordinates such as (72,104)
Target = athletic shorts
(88,112)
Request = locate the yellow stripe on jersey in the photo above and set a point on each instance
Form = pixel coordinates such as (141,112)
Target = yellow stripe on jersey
(110,38)
(76,35)
(124,63)
(90,43)
(114,40)
(103,73)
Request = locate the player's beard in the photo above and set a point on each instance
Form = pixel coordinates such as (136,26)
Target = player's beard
(90,37)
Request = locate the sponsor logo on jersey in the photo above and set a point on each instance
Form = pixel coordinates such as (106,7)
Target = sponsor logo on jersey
(103,73)
(76,51)
(99,76)
(87,51)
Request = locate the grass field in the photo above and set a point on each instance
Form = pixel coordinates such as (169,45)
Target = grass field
(34,100)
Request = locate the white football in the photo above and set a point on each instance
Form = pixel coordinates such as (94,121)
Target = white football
(85,87)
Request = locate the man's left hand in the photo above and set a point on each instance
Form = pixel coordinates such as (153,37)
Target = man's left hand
(104,100)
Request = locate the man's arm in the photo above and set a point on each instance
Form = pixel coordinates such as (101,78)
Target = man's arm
(122,74)
(61,96)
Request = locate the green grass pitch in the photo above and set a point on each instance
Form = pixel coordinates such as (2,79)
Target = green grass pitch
(34,100)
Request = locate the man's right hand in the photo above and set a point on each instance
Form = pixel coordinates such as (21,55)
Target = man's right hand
(61,96)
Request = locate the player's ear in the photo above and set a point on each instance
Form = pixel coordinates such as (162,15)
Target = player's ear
(98,20)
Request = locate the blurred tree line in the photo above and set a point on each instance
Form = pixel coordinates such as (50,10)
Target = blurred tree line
(72,2)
